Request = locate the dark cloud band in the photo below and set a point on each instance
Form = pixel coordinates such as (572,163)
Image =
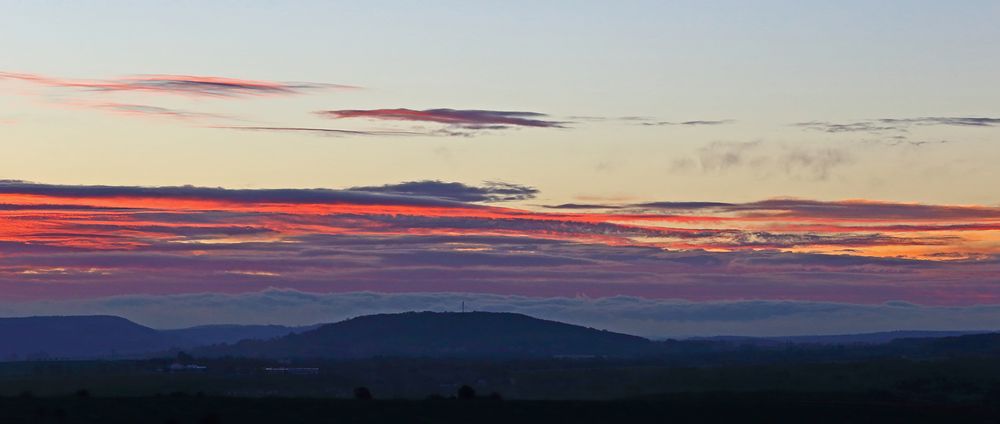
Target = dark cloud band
(490,192)
(466,119)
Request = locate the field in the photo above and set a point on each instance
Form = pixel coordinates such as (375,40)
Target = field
(715,407)
(423,390)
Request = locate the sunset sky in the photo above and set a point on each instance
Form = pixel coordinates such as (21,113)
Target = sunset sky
(663,168)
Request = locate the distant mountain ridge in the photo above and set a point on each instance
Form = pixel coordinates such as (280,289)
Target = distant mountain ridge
(882,337)
(77,337)
(102,336)
(443,334)
(986,344)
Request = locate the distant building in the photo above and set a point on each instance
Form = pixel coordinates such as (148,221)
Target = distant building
(292,371)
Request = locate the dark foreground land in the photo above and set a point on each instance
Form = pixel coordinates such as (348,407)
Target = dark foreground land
(942,381)
(706,407)
(562,391)
(495,368)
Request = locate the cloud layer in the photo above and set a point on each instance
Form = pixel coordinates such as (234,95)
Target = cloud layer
(60,241)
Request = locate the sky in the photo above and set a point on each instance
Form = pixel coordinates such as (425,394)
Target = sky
(631,160)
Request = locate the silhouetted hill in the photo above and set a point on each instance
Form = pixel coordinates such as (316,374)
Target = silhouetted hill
(77,337)
(450,335)
(432,334)
(215,334)
(968,345)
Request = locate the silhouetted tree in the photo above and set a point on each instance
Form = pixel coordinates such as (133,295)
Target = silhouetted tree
(466,392)
(184,358)
(495,396)
(362,393)
(83,393)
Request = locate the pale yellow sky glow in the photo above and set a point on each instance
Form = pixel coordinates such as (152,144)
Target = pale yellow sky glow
(663,63)
(724,151)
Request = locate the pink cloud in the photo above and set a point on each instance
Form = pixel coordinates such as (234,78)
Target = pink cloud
(432,236)
(188,85)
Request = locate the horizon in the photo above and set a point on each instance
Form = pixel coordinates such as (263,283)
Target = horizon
(781,168)
(555,318)
(317,325)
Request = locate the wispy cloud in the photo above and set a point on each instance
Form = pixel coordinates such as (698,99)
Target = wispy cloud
(682,205)
(474,119)
(815,163)
(695,123)
(138,110)
(897,124)
(189,85)
(647,121)
(322,131)
(866,209)
(841,210)
(456,122)
(491,191)
(209,194)
(580,206)
(831,127)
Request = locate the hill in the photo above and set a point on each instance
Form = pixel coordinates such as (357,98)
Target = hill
(98,336)
(78,337)
(837,339)
(215,334)
(967,345)
(451,335)
(433,334)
